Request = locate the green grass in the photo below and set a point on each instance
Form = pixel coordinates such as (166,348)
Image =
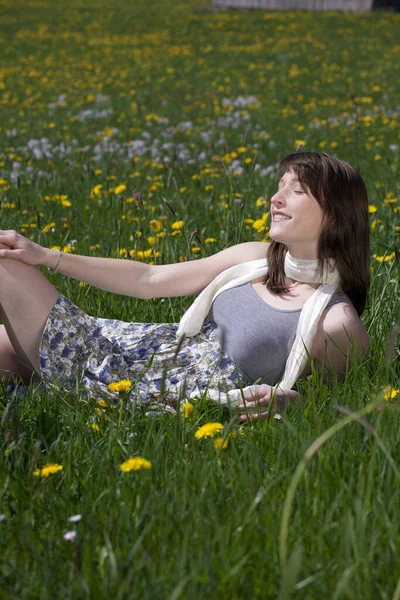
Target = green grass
(257,520)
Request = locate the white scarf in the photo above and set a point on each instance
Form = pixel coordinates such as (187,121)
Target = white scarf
(304,270)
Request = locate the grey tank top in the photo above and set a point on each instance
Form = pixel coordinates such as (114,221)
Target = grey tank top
(255,335)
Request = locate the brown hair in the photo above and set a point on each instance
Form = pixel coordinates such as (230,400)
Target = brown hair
(340,191)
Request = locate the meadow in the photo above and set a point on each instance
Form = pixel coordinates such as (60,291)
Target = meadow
(151,131)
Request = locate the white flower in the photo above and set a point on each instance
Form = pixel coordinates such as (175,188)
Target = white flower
(75,518)
(70,536)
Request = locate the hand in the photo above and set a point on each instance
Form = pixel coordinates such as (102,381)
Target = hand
(16,246)
(259,396)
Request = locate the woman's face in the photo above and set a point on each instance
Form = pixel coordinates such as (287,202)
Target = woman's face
(296,217)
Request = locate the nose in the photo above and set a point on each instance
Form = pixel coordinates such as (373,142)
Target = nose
(278,198)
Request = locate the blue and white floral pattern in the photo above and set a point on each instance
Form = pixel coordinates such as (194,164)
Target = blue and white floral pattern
(80,352)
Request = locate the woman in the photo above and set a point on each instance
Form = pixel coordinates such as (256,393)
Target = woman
(315,281)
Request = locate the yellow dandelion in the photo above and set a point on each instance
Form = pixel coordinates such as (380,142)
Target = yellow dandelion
(195,250)
(120,188)
(177,224)
(155,225)
(141,254)
(298,143)
(220,444)
(48,227)
(135,464)
(208,430)
(94,426)
(390,393)
(65,202)
(187,409)
(387,258)
(260,224)
(48,470)
(120,386)
(96,191)
(372,208)
(209,240)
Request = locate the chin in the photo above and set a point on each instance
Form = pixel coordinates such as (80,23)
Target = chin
(277,237)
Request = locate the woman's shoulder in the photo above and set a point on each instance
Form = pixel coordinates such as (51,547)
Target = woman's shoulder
(340,335)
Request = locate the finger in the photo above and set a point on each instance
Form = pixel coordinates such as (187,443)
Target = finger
(249,418)
(254,405)
(9,238)
(7,253)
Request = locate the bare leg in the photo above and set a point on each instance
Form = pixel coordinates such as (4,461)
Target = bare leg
(12,370)
(26,299)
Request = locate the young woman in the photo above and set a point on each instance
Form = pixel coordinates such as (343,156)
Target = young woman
(268,319)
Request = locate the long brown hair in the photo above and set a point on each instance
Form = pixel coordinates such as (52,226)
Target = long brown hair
(340,191)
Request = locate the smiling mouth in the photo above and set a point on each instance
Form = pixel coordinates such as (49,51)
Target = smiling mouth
(280,217)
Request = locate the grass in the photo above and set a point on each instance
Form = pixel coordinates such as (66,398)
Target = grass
(189,108)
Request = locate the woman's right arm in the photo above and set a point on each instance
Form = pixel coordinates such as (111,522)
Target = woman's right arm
(128,277)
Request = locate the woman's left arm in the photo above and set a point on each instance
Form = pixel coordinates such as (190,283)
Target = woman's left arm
(341,338)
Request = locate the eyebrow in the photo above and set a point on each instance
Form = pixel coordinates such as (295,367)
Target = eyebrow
(294,179)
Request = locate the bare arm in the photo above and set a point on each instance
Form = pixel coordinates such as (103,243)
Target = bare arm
(132,278)
(341,338)
(128,277)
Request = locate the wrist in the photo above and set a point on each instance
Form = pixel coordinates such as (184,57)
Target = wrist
(53,261)
(50,258)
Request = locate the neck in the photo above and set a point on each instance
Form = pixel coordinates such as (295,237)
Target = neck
(303,251)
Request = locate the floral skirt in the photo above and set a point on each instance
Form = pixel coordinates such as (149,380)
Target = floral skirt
(83,353)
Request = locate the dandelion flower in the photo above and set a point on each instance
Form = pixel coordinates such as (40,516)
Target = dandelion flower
(220,444)
(94,426)
(208,430)
(48,227)
(390,393)
(372,208)
(120,386)
(187,409)
(48,470)
(135,464)
(120,188)
(387,258)
(177,224)
(155,225)
(95,192)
